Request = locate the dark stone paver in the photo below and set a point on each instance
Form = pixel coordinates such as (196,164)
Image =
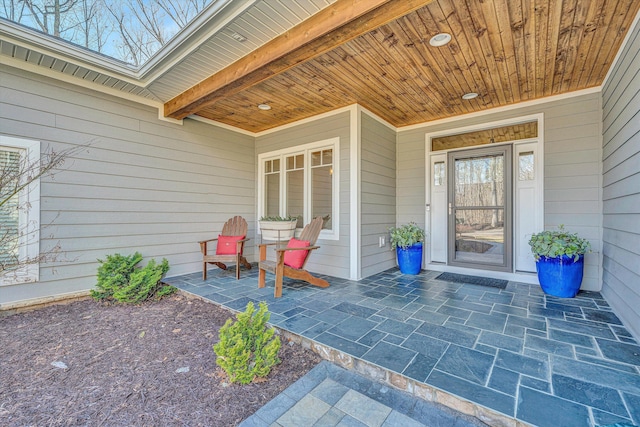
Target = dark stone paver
(514,350)
(544,410)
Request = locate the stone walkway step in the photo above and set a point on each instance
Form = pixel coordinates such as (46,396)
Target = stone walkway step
(329,395)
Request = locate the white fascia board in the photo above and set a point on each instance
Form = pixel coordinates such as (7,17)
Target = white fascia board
(43,43)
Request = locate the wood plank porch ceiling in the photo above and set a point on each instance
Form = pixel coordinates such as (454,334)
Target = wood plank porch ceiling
(377,53)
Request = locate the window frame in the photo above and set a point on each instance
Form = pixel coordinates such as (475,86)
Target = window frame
(29,219)
(306,150)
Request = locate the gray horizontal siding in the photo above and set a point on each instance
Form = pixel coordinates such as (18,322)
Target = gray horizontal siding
(621,186)
(378,194)
(333,257)
(142,184)
(572,173)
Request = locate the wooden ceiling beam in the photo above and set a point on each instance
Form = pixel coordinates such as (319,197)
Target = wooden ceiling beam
(338,23)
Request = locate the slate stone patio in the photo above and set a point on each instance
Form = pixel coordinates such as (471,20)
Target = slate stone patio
(543,360)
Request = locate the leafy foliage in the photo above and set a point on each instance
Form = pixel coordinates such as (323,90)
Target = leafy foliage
(120,280)
(406,235)
(247,348)
(553,244)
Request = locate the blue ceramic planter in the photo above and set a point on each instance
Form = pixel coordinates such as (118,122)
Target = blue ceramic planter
(410,259)
(561,276)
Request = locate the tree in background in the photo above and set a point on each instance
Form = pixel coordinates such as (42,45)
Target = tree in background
(13,10)
(51,16)
(129,30)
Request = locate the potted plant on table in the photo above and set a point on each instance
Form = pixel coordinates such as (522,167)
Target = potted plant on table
(407,241)
(559,261)
(278,227)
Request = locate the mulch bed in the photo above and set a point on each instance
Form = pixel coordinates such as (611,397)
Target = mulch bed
(125,365)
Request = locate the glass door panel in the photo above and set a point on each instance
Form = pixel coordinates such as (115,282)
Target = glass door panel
(480,208)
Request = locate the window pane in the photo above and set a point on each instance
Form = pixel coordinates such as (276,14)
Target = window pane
(316,158)
(479,181)
(327,157)
(267,166)
(525,166)
(276,165)
(272,194)
(9,213)
(299,161)
(438,173)
(295,195)
(291,163)
(322,194)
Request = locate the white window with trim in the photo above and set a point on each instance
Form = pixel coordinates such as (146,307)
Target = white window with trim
(302,182)
(19,211)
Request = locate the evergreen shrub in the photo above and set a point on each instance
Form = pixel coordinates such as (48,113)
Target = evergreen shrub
(119,279)
(248,348)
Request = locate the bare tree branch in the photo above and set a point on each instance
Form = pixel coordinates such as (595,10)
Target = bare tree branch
(17,173)
(138,28)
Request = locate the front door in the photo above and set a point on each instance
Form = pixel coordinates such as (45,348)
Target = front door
(480,208)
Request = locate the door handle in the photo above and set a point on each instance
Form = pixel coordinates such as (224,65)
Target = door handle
(450,209)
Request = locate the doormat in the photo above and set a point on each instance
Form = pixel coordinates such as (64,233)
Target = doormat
(473,280)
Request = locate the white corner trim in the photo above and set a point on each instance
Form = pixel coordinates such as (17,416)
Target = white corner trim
(510,107)
(355,269)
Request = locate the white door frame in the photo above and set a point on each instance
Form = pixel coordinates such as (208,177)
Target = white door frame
(537,216)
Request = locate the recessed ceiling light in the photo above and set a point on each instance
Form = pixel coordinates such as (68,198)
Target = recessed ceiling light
(239,37)
(469,95)
(264,107)
(440,39)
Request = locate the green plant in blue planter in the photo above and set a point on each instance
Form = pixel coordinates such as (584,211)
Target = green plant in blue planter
(559,261)
(407,241)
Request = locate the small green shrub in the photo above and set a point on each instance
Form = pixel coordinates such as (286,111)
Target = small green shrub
(120,280)
(247,348)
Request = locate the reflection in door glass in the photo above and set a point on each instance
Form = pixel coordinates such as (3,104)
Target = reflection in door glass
(480,235)
(480,215)
(438,173)
(525,166)
(480,181)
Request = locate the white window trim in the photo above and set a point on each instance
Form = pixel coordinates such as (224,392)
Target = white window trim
(30,241)
(306,149)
